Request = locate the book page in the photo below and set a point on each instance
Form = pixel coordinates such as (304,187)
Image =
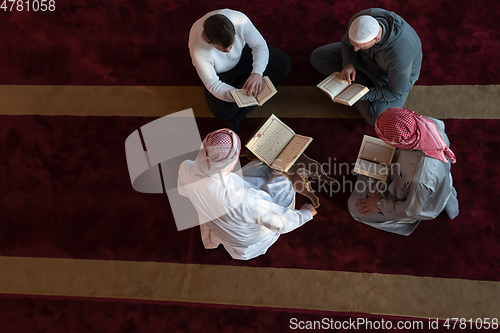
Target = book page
(269,140)
(352,93)
(241,98)
(370,169)
(292,152)
(376,152)
(268,91)
(333,85)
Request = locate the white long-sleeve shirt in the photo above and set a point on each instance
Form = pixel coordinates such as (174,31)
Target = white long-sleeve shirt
(209,61)
(243,217)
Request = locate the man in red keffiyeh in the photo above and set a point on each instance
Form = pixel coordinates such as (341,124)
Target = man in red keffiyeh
(420,185)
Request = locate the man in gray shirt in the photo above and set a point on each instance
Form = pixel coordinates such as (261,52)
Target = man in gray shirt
(419,186)
(379,50)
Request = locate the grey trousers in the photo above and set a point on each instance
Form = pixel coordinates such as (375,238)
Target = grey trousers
(328,59)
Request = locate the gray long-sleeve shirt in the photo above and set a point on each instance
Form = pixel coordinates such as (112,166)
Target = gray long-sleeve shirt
(393,64)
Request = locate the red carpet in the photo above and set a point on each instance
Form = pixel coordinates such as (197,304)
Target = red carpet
(52,314)
(65,190)
(66,193)
(118,42)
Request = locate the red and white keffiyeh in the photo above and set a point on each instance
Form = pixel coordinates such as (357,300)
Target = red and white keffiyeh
(405,129)
(219,151)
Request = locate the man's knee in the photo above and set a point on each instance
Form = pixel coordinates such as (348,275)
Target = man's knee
(327,56)
(223,114)
(371,119)
(278,57)
(372,110)
(223,111)
(366,110)
(319,58)
(316,57)
(285,62)
(376,108)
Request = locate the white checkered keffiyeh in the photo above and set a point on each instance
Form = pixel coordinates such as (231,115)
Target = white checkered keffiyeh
(219,151)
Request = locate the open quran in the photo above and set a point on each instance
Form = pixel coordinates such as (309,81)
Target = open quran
(277,145)
(340,91)
(374,158)
(268,90)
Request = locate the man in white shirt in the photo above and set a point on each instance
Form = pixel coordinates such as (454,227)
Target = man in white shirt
(246,215)
(229,53)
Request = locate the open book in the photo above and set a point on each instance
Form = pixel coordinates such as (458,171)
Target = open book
(340,91)
(275,144)
(374,158)
(268,91)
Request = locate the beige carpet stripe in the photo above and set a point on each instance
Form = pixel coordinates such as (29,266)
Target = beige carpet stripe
(481,102)
(383,294)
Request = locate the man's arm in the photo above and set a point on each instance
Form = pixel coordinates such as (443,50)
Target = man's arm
(210,79)
(417,195)
(257,43)
(260,55)
(349,60)
(277,218)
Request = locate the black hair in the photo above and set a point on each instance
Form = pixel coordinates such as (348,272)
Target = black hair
(219,30)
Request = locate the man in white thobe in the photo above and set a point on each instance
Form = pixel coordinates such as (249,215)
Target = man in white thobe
(246,215)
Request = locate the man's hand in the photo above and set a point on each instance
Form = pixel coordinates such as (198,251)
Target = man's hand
(310,208)
(369,205)
(253,84)
(348,73)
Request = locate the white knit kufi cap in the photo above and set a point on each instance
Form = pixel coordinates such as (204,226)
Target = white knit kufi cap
(364,29)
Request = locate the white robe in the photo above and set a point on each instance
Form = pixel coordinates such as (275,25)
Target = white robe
(245,215)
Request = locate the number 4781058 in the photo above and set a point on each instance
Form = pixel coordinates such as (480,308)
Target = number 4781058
(461,323)
(28,5)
